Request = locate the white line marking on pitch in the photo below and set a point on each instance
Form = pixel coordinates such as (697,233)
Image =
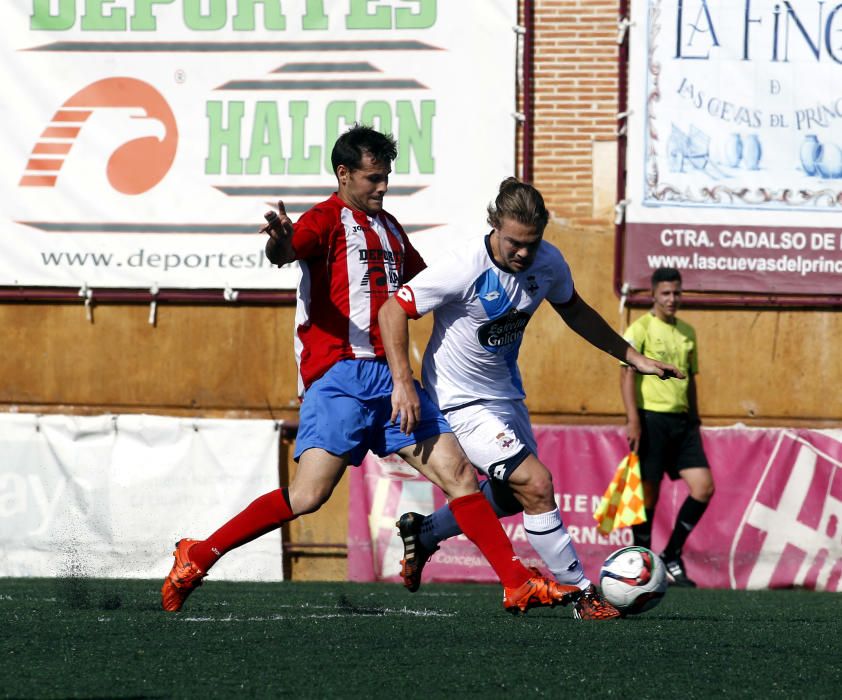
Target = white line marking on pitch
(322,616)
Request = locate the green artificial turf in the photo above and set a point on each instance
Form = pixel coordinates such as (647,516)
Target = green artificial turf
(107,638)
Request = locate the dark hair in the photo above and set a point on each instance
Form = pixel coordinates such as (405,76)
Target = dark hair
(359,140)
(665,274)
(519,201)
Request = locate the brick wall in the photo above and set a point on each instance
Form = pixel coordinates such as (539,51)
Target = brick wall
(575,102)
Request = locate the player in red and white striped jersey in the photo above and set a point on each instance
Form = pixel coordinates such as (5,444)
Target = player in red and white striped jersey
(351,262)
(353,256)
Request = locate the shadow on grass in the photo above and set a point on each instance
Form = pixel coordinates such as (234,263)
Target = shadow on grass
(347,606)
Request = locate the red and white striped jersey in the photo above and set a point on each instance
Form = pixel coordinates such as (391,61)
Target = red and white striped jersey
(351,263)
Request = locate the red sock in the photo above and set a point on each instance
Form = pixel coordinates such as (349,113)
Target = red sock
(262,515)
(479,524)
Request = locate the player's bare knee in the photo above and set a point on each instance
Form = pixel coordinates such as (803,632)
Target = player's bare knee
(537,495)
(308,501)
(459,478)
(463,472)
(704,492)
(542,485)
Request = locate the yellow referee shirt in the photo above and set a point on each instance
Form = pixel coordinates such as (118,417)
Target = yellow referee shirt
(667,342)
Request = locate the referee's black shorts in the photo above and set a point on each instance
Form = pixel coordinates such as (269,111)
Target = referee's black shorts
(669,442)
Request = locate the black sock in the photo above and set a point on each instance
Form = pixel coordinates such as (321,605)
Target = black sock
(689,515)
(643,532)
(441,525)
(501,497)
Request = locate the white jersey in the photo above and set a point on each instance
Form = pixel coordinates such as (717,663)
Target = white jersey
(481,312)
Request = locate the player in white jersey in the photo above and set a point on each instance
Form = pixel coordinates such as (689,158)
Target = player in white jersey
(483,296)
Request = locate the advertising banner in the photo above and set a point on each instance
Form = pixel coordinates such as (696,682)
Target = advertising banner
(108,496)
(774,522)
(143,141)
(734,157)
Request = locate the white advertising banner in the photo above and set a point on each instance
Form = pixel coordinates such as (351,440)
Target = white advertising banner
(142,141)
(108,496)
(734,160)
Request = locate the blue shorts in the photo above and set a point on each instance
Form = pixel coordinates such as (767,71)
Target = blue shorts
(347,411)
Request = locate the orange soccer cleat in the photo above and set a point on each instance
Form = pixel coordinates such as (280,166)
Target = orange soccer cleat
(592,606)
(538,591)
(183,579)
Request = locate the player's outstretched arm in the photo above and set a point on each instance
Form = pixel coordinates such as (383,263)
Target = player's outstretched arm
(394,332)
(583,319)
(278,227)
(646,365)
(627,391)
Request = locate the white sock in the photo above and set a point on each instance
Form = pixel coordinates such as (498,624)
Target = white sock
(550,539)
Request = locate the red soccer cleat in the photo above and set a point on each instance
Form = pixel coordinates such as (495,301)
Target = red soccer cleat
(538,591)
(183,579)
(592,606)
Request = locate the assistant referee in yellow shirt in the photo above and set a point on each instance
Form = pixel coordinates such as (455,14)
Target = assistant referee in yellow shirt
(663,419)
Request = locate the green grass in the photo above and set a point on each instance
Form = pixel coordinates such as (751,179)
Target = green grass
(105,638)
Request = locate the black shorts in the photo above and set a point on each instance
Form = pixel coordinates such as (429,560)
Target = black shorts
(669,442)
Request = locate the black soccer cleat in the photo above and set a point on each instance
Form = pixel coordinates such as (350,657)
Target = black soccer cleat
(676,573)
(415,555)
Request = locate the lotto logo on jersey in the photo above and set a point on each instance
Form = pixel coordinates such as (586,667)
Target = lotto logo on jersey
(498,471)
(405,294)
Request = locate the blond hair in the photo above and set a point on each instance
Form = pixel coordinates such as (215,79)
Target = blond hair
(518,201)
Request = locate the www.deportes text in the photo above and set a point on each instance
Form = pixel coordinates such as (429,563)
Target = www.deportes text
(158,261)
(786,263)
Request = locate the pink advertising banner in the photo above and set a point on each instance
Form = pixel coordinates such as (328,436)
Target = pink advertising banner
(775,521)
(715,258)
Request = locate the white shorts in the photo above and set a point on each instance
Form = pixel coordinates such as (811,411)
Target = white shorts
(496,435)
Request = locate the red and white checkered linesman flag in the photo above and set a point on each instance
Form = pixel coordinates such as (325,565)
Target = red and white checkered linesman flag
(622,503)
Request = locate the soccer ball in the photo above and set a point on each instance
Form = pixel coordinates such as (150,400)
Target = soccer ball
(633,580)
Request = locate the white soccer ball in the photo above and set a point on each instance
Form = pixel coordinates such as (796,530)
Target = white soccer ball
(633,580)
